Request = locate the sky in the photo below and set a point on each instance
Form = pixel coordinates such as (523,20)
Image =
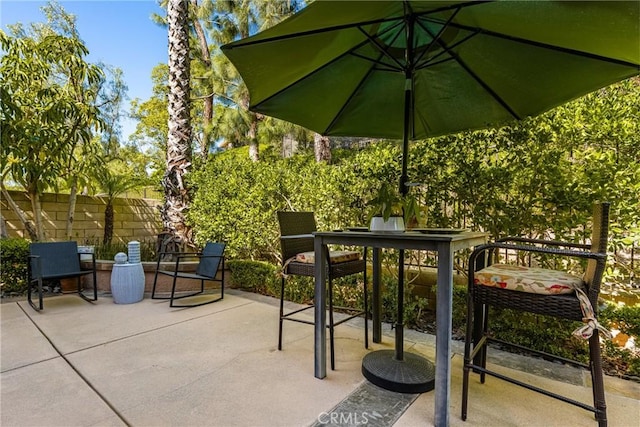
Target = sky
(117,33)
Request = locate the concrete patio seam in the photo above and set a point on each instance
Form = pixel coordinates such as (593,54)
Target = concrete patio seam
(82,377)
(29,364)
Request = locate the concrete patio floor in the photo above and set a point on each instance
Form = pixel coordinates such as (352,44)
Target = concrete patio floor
(145,364)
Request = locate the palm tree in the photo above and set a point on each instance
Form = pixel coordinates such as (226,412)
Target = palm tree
(112,185)
(179,137)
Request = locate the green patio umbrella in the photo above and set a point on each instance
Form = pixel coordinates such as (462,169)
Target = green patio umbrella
(416,69)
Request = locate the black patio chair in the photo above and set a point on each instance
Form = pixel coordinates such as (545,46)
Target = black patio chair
(52,261)
(537,290)
(296,243)
(211,260)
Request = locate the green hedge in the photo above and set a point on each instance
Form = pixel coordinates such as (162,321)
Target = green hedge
(13,266)
(256,276)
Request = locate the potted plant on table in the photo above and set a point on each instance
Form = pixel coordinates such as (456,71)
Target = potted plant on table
(391,211)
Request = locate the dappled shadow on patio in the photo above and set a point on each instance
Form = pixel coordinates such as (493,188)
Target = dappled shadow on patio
(147,364)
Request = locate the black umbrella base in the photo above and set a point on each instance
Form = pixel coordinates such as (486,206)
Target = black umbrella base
(413,374)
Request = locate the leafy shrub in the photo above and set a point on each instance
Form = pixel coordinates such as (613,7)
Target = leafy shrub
(241,208)
(626,319)
(256,276)
(543,333)
(620,361)
(13,265)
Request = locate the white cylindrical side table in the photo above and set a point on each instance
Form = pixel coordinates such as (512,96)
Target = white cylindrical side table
(127,283)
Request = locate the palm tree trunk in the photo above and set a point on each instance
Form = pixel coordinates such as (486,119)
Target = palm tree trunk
(322,148)
(108,223)
(179,138)
(207,113)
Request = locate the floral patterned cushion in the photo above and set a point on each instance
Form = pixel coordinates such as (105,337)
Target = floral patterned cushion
(528,279)
(543,281)
(335,257)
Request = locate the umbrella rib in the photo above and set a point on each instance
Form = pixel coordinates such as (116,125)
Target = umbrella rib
(547,46)
(316,70)
(486,87)
(454,6)
(243,43)
(383,66)
(481,82)
(444,27)
(381,48)
(246,42)
(348,101)
(429,62)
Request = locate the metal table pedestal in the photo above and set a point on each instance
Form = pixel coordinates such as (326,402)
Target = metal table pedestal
(412,374)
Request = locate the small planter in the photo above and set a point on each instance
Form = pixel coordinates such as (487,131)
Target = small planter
(395,224)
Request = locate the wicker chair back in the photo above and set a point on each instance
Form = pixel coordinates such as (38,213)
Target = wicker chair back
(296,223)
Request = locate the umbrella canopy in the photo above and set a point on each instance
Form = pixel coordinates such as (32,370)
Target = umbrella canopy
(341,67)
(416,69)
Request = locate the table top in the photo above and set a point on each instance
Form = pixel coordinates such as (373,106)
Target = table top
(403,240)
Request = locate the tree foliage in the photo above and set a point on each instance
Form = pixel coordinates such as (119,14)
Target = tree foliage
(153,118)
(60,115)
(48,105)
(220,100)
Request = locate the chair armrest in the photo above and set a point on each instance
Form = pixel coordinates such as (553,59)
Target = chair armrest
(490,247)
(183,254)
(178,257)
(177,254)
(199,255)
(189,255)
(296,236)
(93,259)
(205,256)
(544,242)
(541,249)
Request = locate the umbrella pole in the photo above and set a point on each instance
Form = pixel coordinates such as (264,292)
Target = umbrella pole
(405,135)
(408,87)
(400,314)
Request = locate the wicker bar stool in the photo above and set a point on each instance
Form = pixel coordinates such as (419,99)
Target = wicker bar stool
(542,291)
(296,242)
